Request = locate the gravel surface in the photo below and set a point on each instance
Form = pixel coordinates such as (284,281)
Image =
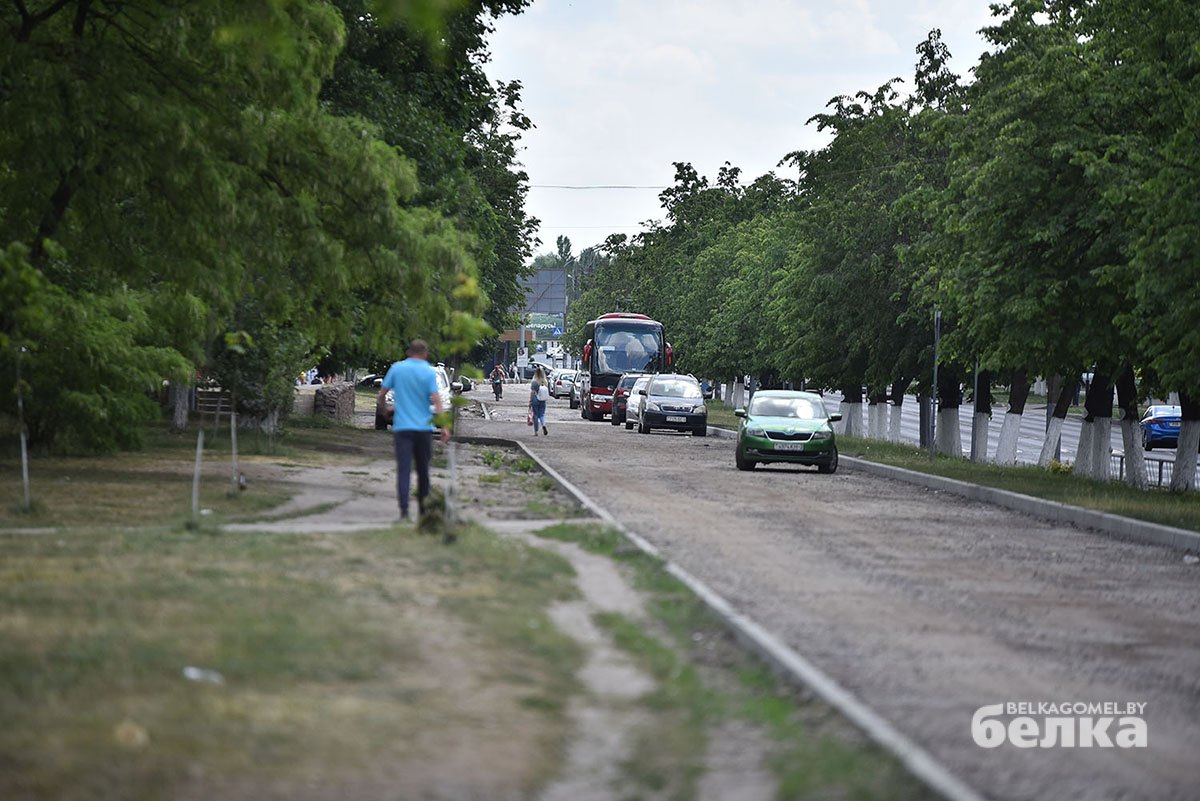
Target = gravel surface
(926,605)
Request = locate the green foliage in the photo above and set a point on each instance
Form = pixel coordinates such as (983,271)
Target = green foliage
(1049,210)
(174,172)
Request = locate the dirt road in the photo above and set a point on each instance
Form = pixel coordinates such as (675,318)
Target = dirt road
(925,605)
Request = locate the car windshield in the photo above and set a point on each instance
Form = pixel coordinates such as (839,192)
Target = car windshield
(628,381)
(675,388)
(798,408)
(627,348)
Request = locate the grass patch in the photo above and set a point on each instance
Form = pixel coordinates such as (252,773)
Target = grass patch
(704,679)
(721,414)
(325,665)
(492,458)
(1172,509)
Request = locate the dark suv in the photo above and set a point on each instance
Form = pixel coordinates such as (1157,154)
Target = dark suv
(621,396)
(675,402)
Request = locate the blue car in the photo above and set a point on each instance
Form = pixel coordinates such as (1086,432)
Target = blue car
(1160,427)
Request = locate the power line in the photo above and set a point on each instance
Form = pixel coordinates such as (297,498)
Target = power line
(595,186)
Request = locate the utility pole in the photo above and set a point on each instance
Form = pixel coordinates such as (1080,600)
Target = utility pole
(933,395)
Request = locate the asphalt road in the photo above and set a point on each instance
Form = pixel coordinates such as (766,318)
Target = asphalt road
(925,605)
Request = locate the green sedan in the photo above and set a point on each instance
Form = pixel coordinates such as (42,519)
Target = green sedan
(786,426)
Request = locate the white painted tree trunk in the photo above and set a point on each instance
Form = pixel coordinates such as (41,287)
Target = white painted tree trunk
(1084,451)
(1102,449)
(1183,476)
(979,433)
(949,435)
(739,395)
(1010,435)
(1053,435)
(852,420)
(894,417)
(1135,456)
(877,420)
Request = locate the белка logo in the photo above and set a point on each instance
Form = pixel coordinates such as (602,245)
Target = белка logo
(1078,724)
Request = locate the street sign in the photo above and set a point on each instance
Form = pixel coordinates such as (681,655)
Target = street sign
(557,332)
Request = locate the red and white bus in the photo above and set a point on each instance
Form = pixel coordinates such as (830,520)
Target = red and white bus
(619,343)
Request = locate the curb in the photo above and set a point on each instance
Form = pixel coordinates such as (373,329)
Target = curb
(787,662)
(1126,528)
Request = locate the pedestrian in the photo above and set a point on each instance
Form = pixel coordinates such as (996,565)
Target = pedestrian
(414,387)
(539,394)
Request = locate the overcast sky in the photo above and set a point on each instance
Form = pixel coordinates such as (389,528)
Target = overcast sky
(620,89)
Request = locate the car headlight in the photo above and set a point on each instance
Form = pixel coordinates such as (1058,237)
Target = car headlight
(652,407)
(755,431)
(821,435)
(701,409)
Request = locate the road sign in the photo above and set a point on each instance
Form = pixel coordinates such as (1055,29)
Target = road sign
(557,332)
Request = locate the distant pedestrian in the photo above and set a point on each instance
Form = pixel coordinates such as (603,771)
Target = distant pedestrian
(414,387)
(539,395)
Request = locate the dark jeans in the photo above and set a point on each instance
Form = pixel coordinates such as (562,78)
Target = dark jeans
(410,445)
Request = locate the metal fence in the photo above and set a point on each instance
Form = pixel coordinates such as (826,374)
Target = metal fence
(1158,471)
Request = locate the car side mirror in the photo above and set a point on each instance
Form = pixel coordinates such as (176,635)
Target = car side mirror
(739,412)
(833,418)
(641,392)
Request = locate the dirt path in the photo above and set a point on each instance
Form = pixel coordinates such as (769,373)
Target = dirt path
(925,605)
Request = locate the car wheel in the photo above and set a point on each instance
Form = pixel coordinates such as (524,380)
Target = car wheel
(574,405)
(702,431)
(742,462)
(628,425)
(642,427)
(1146,446)
(831,467)
(615,420)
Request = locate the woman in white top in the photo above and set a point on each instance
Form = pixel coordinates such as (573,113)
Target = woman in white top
(539,394)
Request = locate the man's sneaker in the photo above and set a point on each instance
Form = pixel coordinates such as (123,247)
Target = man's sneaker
(545,431)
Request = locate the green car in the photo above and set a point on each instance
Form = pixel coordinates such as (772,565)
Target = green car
(786,426)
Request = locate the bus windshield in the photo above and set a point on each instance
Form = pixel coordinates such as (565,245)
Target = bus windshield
(625,348)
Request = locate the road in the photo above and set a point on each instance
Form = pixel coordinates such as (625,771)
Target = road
(925,605)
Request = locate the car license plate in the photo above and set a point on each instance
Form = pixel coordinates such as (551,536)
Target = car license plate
(1173,425)
(789,446)
(676,419)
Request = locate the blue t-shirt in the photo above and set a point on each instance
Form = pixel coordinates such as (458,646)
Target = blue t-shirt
(411,381)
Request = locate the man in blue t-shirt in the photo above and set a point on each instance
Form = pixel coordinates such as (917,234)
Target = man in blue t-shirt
(414,389)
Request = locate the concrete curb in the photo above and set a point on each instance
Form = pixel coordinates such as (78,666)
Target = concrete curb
(781,657)
(1126,528)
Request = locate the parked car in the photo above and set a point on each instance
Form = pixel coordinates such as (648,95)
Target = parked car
(577,389)
(674,402)
(621,392)
(1160,427)
(386,407)
(636,401)
(561,383)
(786,426)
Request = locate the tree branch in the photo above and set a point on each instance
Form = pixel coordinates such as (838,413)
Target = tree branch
(31,21)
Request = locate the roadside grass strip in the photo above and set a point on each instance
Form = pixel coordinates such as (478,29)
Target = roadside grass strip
(705,680)
(317,661)
(1181,510)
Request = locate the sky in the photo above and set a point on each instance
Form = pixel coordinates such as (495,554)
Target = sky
(620,89)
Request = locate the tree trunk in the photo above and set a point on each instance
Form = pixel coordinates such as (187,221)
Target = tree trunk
(1010,431)
(877,414)
(895,413)
(948,435)
(851,409)
(1183,476)
(180,396)
(983,416)
(1054,428)
(1131,430)
(1093,457)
